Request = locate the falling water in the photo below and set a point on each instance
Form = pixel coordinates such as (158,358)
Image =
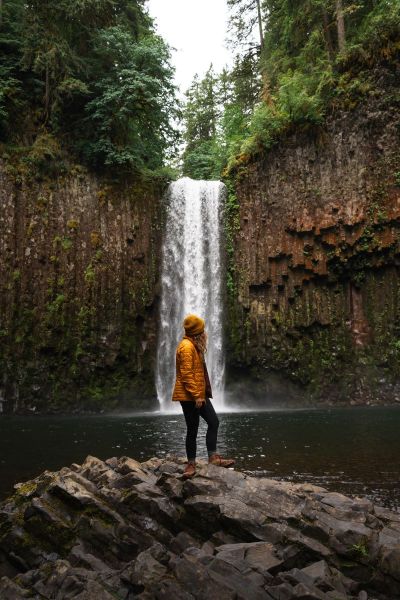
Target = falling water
(192,278)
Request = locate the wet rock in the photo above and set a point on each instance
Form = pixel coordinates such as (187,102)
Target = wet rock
(183,541)
(261,556)
(11,591)
(146,569)
(305,209)
(171,486)
(303,591)
(123,529)
(390,560)
(94,217)
(326,578)
(195,579)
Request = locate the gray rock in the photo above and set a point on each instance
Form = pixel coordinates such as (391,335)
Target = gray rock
(9,590)
(284,591)
(195,579)
(303,591)
(244,583)
(171,486)
(208,548)
(325,577)
(182,541)
(390,560)
(257,555)
(124,529)
(146,570)
(168,589)
(78,557)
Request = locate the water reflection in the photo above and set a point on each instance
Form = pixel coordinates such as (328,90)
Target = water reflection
(350,450)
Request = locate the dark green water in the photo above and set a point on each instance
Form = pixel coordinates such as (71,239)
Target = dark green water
(355,451)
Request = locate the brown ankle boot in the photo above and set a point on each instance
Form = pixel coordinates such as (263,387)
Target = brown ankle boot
(190,470)
(217,460)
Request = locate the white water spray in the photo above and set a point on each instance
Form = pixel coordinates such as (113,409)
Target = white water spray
(192,280)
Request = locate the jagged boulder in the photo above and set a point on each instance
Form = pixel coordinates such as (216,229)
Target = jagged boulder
(123,529)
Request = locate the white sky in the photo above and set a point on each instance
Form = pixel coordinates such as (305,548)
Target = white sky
(197,29)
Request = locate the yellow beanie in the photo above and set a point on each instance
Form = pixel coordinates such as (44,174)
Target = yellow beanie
(193,325)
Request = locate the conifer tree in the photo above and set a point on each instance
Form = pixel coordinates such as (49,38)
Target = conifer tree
(90,76)
(306,55)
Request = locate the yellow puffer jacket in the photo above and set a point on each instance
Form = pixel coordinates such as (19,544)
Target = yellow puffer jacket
(190,381)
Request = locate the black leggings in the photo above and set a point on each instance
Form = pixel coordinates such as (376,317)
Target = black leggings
(192,418)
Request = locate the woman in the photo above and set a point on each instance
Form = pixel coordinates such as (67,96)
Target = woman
(193,390)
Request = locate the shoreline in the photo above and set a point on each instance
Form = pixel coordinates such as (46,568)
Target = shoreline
(229,410)
(120,528)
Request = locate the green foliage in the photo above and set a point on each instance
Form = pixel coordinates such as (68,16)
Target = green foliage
(376,35)
(298,98)
(360,549)
(133,102)
(90,77)
(215,118)
(201,156)
(56,304)
(232,225)
(266,123)
(45,156)
(302,68)
(203,161)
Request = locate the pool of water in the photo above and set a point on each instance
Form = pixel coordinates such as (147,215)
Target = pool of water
(354,450)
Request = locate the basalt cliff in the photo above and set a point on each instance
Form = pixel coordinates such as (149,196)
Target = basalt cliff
(123,529)
(79,270)
(315,254)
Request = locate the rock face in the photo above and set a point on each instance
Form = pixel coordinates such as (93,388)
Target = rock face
(316,257)
(123,529)
(79,259)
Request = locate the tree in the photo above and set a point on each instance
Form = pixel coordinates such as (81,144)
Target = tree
(92,74)
(340,25)
(246,82)
(307,46)
(245,17)
(327,33)
(201,115)
(12,102)
(260,24)
(129,116)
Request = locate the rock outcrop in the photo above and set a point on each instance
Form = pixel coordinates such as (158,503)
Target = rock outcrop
(316,256)
(79,262)
(123,529)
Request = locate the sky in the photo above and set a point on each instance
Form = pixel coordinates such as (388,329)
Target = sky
(197,29)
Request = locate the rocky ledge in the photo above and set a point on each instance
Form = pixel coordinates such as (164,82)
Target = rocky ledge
(124,529)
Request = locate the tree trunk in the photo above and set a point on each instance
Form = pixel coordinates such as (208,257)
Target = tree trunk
(47,94)
(327,35)
(340,25)
(260,26)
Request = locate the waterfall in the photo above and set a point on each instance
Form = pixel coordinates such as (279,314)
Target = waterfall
(192,279)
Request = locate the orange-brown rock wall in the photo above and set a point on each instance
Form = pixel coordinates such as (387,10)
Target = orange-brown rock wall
(316,294)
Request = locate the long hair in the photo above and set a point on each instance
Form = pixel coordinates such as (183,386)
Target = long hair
(200,341)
